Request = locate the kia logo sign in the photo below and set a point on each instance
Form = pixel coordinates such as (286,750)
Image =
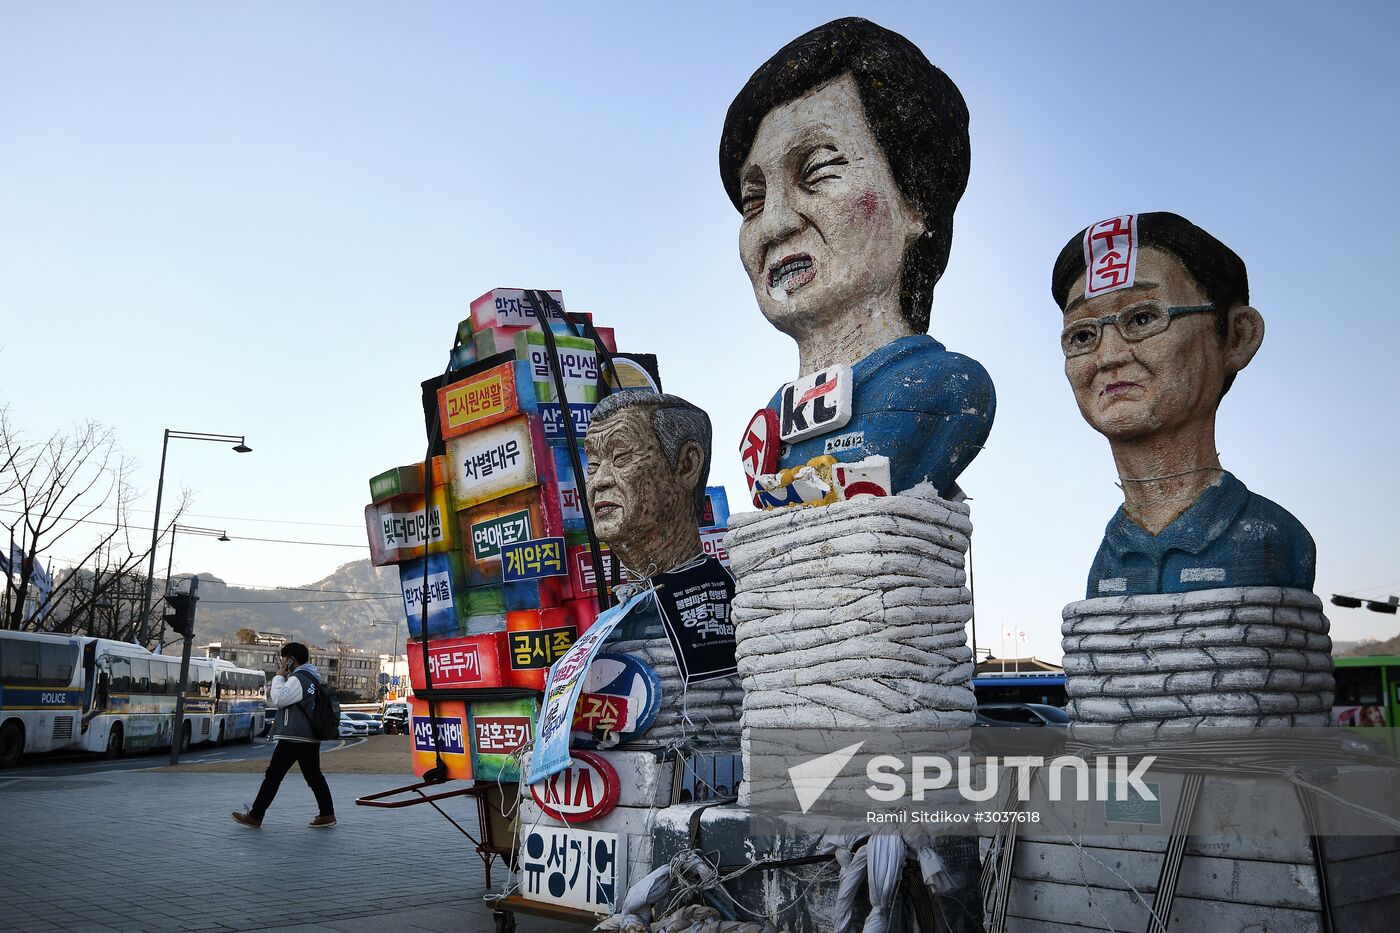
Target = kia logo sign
(583,791)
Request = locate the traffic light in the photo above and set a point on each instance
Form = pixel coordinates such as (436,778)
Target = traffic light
(181,617)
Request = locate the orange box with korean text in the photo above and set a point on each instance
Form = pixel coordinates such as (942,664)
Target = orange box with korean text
(444,733)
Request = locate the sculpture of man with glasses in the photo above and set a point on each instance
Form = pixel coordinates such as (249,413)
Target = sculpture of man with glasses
(1157,324)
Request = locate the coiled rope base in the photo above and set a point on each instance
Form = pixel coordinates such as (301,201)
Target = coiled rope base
(853,615)
(1142,667)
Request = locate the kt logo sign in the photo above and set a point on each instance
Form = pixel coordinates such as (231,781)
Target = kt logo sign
(815,404)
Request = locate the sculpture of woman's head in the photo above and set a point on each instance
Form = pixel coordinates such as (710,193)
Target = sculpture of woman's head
(847,153)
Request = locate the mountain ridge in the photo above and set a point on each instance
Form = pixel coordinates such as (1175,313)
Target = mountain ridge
(340,606)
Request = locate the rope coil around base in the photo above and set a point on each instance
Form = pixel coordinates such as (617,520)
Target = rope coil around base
(1233,657)
(854,614)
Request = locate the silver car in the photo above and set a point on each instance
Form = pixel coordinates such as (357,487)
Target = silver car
(374,725)
(351,728)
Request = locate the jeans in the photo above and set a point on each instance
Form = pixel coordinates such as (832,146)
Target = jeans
(308,756)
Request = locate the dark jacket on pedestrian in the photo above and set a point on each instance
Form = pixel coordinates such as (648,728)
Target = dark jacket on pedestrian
(293,725)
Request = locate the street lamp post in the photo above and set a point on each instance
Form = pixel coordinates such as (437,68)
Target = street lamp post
(143,629)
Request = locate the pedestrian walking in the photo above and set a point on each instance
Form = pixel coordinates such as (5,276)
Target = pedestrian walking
(295,686)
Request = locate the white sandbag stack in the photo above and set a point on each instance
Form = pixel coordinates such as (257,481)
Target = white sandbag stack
(1239,657)
(853,614)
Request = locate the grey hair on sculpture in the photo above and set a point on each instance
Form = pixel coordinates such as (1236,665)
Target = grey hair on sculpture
(675,421)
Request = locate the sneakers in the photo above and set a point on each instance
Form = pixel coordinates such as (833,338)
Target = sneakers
(321,822)
(247,819)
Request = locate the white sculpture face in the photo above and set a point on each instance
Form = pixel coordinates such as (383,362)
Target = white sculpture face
(825,226)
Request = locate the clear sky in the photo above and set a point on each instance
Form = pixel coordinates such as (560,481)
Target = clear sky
(266,219)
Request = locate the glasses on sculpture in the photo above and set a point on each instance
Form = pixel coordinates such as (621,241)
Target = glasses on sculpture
(1135,322)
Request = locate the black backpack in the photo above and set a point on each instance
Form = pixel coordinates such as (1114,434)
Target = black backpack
(321,708)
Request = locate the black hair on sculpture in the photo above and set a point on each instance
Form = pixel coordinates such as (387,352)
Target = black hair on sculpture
(916,112)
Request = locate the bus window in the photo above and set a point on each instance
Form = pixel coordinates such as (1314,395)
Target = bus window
(20,663)
(1358,686)
(140,675)
(160,678)
(121,675)
(174,688)
(56,664)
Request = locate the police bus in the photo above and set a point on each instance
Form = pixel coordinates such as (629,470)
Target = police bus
(130,702)
(41,693)
(238,705)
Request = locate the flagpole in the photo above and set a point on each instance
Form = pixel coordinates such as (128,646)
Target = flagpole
(9,576)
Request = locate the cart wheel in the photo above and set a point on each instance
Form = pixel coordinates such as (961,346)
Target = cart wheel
(505,922)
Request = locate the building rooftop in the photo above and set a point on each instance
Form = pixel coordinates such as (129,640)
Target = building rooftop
(1030,665)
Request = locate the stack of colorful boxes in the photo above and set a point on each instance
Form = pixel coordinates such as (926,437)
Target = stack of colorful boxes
(496,551)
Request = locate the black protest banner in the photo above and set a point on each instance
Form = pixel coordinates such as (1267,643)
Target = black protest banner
(694,604)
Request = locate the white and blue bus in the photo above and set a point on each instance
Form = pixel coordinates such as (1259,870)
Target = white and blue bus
(111,697)
(132,703)
(130,698)
(41,693)
(239,703)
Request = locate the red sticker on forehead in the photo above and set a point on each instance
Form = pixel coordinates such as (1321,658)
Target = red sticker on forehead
(1110,255)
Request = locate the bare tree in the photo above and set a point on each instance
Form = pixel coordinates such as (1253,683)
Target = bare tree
(50,491)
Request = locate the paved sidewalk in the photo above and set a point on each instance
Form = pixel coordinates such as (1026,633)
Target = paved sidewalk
(156,851)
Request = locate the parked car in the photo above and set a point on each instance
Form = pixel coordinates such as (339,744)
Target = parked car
(1039,729)
(396,718)
(371,724)
(350,728)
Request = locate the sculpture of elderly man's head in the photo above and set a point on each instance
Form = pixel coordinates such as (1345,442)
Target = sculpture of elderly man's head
(1156,326)
(846,153)
(648,459)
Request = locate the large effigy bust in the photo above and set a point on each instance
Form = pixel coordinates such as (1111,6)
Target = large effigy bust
(1200,650)
(1157,324)
(846,153)
(1199,610)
